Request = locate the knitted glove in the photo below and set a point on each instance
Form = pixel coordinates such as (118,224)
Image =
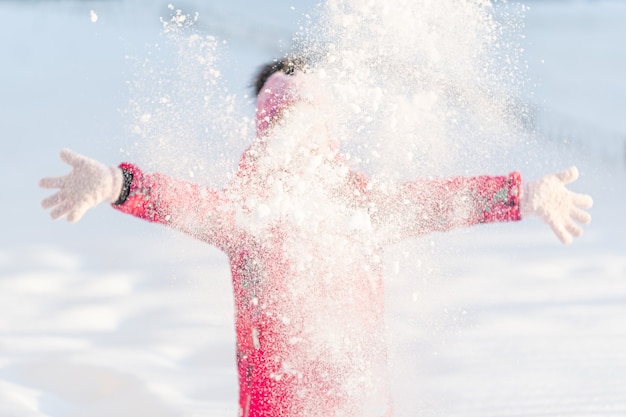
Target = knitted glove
(89,184)
(548,199)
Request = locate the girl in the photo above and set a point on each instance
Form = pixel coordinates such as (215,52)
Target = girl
(304,235)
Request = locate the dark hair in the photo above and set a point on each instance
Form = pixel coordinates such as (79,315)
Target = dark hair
(287,65)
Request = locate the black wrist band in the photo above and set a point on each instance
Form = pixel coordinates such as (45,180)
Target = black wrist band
(128,180)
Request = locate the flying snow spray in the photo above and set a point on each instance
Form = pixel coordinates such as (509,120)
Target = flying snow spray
(410,89)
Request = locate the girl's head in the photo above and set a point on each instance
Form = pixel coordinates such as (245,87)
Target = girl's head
(287,66)
(284,83)
(277,87)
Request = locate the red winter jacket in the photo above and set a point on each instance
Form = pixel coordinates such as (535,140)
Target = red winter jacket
(308,293)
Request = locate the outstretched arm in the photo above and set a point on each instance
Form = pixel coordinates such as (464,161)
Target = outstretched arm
(198,211)
(432,205)
(201,212)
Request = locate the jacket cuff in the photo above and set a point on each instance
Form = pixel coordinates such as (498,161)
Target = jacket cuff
(126,186)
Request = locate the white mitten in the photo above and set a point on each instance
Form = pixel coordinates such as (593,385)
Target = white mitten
(89,184)
(549,199)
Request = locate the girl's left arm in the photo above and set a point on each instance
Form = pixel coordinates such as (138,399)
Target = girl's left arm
(435,205)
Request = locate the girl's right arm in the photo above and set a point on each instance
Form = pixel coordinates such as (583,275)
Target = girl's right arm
(201,212)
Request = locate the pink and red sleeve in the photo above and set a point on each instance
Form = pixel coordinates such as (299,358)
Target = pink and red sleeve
(140,195)
(435,205)
(196,210)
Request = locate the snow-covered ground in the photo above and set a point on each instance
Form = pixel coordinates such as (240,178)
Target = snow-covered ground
(117,317)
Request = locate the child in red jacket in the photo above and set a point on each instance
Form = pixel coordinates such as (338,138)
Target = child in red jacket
(304,235)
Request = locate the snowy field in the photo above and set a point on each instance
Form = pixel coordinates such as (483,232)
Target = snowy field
(116,317)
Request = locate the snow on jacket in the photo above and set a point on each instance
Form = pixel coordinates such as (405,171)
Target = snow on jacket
(304,236)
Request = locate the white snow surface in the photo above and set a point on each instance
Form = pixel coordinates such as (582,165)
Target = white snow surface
(113,316)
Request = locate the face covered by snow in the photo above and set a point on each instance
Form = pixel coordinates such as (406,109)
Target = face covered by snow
(295,162)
